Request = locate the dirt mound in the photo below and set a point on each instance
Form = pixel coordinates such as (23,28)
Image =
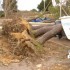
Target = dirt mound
(16,41)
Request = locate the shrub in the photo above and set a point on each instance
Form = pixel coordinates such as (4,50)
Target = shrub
(1,14)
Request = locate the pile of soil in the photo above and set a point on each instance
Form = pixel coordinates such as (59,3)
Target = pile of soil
(16,42)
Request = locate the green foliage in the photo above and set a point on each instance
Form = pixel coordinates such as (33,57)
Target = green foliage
(55,11)
(1,14)
(41,5)
(67,8)
(57,1)
(14,6)
(9,7)
(34,10)
(8,3)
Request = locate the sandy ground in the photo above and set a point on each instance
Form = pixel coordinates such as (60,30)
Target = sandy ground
(55,58)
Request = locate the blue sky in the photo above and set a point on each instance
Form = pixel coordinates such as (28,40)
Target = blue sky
(26,4)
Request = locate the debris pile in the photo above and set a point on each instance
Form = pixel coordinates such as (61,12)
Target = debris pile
(17,36)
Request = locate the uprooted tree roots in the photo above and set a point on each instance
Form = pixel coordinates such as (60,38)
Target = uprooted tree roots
(18,35)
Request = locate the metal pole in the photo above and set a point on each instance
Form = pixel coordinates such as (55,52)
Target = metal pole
(44,5)
(60,8)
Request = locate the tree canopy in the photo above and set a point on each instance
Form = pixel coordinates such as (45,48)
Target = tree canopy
(47,4)
(9,6)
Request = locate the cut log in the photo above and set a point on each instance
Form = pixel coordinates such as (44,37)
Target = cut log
(42,25)
(42,30)
(56,29)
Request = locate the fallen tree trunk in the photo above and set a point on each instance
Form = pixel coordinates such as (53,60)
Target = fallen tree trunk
(42,30)
(39,26)
(55,30)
